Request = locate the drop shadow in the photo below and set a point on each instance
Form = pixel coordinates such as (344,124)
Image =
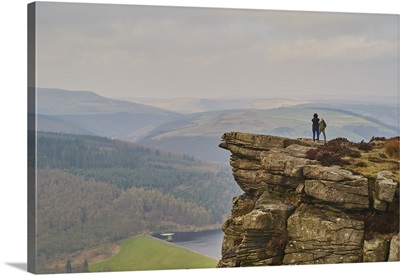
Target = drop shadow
(20,266)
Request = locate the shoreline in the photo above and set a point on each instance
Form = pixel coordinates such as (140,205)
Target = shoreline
(179,246)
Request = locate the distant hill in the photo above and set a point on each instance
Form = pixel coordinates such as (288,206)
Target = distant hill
(190,105)
(198,131)
(201,132)
(88,113)
(65,102)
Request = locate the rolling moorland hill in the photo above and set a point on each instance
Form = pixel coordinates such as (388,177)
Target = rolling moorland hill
(204,129)
(64,102)
(190,105)
(88,113)
(198,133)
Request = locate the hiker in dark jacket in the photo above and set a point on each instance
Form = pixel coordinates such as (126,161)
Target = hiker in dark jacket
(322,126)
(315,127)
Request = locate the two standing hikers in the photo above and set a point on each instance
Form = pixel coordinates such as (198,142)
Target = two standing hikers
(318,127)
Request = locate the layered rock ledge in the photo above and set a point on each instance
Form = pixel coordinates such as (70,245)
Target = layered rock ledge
(296,211)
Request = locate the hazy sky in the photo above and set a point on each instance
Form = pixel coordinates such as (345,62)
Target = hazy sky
(139,51)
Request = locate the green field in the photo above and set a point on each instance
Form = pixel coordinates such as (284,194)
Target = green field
(147,253)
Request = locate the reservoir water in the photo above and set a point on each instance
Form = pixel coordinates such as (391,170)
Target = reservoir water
(208,242)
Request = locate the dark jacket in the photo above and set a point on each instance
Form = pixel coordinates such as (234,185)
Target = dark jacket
(315,123)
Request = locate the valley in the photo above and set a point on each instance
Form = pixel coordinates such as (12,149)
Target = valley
(109,169)
(95,191)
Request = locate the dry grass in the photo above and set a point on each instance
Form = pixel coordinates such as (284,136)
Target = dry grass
(392,147)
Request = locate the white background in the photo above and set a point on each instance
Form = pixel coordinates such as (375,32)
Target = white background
(13,195)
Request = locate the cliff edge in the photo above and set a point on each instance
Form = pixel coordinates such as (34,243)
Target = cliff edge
(311,203)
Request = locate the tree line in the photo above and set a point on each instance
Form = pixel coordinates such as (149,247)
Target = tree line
(128,165)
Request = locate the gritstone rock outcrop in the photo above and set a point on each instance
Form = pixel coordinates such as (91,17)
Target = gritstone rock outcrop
(296,211)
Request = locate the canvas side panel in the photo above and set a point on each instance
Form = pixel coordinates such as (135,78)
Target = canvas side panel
(32,138)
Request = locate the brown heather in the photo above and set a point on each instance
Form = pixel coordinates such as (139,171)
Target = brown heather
(392,147)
